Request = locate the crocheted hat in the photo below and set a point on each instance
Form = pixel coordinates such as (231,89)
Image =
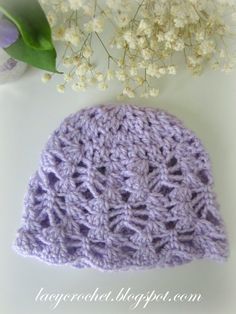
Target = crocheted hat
(122,187)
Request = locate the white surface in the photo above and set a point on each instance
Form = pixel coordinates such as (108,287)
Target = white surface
(14,73)
(30,111)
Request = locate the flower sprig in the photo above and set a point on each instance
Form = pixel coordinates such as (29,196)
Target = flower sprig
(145,38)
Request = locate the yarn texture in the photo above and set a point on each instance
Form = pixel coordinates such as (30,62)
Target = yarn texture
(122,187)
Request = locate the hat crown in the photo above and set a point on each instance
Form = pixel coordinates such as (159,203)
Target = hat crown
(120,187)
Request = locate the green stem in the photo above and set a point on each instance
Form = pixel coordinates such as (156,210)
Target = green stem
(108,53)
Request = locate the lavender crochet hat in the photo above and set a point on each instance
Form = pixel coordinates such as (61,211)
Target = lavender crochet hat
(122,187)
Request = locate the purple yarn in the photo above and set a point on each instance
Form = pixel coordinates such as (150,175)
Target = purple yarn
(122,187)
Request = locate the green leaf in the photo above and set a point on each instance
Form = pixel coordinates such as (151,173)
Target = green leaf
(30,20)
(35,45)
(42,59)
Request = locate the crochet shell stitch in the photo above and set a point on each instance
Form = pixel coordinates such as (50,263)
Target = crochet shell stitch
(122,187)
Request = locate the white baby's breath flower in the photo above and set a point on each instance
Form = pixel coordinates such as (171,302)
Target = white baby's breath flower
(122,19)
(75,87)
(193,61)
(200,36)
(154,44)
(99,76)
(96,24)
(147,53)
(91,80)
(64,7)
(180,22)
(170,36)
(120,43)
(143,25)
(227,68)
(130,39)
(160,36)
(215,65)
(79,86)
(143,64)
(206,47)
(147,35)
(154,92)
(52,19)
(168,45)
(120,75)
(144,28)
(59,33)
(87,52)
(68,77)
(128,36)
(111,3)
(76,60)
(196,70)
(193,16)
(72,35)
(153,70)
(162,70)
(171,69)
(102,86)
(128,92)
(178,45)
(67,62)
(88,9)
(133,71)
(142,42)
(76,4)
(46,77)
(61,88)
(139,80)
(110,75)
(82,69)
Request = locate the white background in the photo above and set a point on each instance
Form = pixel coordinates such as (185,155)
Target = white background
(30,111)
